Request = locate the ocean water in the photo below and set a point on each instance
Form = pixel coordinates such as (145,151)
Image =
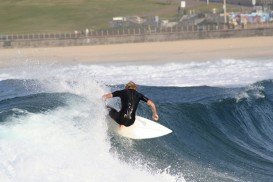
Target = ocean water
(54,127)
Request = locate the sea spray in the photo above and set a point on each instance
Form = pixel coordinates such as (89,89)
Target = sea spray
(66,143)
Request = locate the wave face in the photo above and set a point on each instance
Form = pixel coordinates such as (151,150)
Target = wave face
(219,134)
(54,127)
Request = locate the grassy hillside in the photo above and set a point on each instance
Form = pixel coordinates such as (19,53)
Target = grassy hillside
(34,16)
(23,16)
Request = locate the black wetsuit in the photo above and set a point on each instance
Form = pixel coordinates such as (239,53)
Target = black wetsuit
(129,102)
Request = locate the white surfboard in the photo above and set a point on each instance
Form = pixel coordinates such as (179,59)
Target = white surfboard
(142,129)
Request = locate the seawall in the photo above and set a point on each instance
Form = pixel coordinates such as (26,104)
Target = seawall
(129,36)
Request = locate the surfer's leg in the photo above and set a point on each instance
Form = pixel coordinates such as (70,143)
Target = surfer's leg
(128,123)
(113,113)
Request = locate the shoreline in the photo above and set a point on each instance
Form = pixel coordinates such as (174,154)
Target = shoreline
(173,51)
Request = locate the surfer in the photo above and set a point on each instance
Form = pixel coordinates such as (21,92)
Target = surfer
(130,98)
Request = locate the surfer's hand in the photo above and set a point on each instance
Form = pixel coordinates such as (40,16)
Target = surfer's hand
(155,117)
(107,96)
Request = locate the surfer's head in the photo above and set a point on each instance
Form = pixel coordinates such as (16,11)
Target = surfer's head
(131,85)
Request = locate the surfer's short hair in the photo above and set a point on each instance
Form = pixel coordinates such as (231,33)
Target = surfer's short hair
(131,85)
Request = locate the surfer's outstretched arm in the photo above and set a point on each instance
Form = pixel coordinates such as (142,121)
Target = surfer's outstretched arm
(107,96)
(152,106)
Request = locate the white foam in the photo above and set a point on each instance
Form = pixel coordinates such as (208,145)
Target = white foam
(69,143)
(251,91)
(212,73)
(50,147)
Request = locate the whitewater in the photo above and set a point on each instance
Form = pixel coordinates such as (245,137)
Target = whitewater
(54,126)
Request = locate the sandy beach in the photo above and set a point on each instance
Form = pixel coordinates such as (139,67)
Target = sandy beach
(188,50)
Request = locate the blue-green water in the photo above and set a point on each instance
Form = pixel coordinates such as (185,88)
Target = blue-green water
(56,129)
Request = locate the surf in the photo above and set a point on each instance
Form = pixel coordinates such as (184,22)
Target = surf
(224,72)
(54,126)
(56,129)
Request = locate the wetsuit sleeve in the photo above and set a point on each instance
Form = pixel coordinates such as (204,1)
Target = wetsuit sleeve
(117,93)
(143,98)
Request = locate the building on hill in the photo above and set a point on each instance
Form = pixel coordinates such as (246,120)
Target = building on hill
(130,21)
(201,19)
(264,3)
(235,2)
